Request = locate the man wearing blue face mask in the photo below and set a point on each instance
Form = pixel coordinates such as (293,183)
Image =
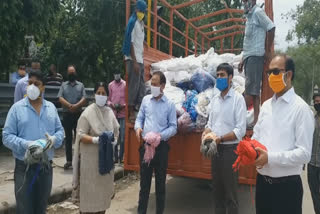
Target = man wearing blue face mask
(227,123)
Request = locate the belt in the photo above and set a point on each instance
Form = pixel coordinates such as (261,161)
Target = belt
(279,180)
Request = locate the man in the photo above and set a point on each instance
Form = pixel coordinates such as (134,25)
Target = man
(227,121)
(54,78)
(285,127)
(157,115)
(258,23)
(314,164)
(72,98)
(133,52)
(29,120)
(21,87)
(18,75)
(117,92)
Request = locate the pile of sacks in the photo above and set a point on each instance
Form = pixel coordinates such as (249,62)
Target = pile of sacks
(191,85)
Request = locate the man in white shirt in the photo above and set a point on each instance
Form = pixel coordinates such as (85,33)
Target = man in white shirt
(133,51)
(285,127)
(227,121)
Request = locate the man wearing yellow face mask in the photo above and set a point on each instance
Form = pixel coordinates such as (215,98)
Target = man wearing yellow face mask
(285,126)
(133,51)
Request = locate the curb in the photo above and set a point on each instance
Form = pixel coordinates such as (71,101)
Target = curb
(58,194)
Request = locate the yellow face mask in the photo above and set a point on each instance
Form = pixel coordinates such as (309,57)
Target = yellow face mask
(140,15)
(277,83)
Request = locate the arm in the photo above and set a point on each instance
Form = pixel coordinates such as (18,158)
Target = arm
(63,101)
(301,154)
(172,124)
(141,117)
(18,93)
(116,127)
(110,103)
(10,133)
(59,132)
(83,101)
(83,128)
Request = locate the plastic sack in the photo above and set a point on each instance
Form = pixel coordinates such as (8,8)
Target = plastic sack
(201,123)
(174,94)
(185,123)
(190,103)
(202,80)
(202,105)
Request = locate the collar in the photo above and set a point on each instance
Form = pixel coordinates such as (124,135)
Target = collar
(118,83)
(252,10)
(229,94)
(163,98)
(26,102)
(287,97)
(75,82)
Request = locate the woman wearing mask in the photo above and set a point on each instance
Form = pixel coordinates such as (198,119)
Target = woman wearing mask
(96,190)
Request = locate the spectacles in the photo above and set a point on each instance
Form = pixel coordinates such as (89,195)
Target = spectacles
(275,71)
(35,82)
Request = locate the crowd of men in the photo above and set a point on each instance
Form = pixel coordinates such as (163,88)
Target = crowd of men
(285,124)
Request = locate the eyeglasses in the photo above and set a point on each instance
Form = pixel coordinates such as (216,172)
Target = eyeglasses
(275,71)
(35,82)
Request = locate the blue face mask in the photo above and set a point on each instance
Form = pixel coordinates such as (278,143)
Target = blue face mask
(222,84)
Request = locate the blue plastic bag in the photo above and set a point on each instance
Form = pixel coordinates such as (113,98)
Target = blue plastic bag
(202,80)
(190,104)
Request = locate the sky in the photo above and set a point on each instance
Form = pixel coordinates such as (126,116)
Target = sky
(282,26)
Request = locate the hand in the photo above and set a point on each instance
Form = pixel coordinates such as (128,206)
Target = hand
(95,140)
(136,67)
(139,134)
(218,140)
(50,141)
(262,158)
(240,67)
(205,132)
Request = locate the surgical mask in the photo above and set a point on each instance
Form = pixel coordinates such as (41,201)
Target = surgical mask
(222,84)
(277,83)
(33,92)
(72,77)
(140,15)
(317,107)
(248,6)
(117,77)
(101,100)
(155,91)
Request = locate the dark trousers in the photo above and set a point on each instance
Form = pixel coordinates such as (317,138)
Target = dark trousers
(159,165)
(118,156)
(314,185)
(70,121)
(32,199)
(225,180)
(136,84)
(278,196)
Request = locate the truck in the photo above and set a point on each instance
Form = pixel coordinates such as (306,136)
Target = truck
(185,158)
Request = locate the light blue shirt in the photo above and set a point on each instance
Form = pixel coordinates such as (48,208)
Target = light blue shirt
(157,116)
(21,88)
(24,124)
(258,23)
(15,77)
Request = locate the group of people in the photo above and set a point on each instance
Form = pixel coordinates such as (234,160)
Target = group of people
(285,125)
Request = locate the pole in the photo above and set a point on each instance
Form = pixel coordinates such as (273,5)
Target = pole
(149,24)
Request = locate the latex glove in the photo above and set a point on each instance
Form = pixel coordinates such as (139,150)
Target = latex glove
(51,140)
(95,140)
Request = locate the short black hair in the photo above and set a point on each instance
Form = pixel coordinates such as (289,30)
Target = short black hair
(290,66)
(37,74)
(21,63)
(101,84)
(163,79)
(315,95)
(226,67)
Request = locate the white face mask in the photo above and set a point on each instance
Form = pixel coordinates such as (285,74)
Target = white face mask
(101,100)
(33,92)
(155,91)
(117,77)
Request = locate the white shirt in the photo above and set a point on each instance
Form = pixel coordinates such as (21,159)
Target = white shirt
(285,126)
(137,39)
(228,114)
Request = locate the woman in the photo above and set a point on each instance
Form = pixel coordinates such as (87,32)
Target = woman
(95,190)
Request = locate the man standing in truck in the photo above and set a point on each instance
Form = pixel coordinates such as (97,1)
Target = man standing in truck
(133,47)
(227,122)
(285,127)
(254,53)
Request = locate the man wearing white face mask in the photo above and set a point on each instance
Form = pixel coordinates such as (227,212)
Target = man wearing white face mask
(28,121)
(156,118)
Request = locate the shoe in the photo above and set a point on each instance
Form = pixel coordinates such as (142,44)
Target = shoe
(67,166)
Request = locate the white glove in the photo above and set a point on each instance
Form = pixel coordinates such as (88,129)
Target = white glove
(95,140)
(51,140)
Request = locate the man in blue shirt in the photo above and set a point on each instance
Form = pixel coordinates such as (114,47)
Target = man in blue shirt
(29,120)
(158,115)
(257,26)
(18,75)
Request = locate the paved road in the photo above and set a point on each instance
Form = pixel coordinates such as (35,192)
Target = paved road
(189,196)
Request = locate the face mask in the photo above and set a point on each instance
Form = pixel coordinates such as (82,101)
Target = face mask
(277,83)
(101,100)
(33,92)
(317,107)
(140,15)
(155,91)
(247,6)
(72,77)
(222,84)
(117,77)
